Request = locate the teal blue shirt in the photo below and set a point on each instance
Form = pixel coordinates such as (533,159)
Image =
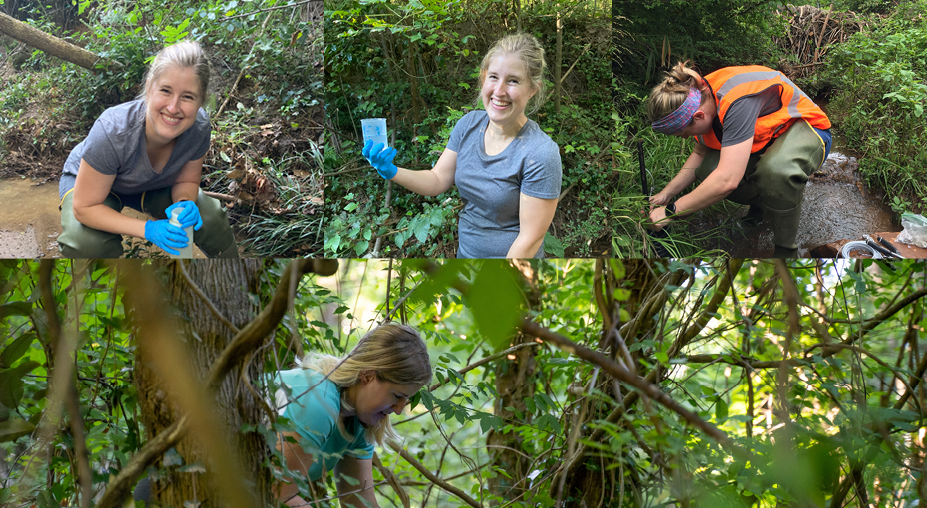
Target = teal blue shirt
(314,412)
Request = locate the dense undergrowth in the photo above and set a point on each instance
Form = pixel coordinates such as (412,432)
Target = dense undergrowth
(265,102)
(416,64)
(874,83)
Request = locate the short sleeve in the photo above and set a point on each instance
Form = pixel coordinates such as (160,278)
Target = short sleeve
(543,172)
(312,415)
(360,448)
(205,128)
(460,129)
(99,150)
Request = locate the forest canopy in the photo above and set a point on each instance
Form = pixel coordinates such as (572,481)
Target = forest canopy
(557,383)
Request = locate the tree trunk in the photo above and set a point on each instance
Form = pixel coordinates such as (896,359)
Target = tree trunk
(589,483)
(50,44)
(515,382)
(227,284)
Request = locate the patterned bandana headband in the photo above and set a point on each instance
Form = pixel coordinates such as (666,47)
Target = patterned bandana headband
(679,119)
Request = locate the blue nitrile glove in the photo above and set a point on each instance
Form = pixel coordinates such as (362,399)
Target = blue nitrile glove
(165,235)
(381,158)
(190,216)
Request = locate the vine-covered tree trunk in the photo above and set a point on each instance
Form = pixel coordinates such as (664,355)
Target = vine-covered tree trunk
(639,292)
(515,381)
(228,285)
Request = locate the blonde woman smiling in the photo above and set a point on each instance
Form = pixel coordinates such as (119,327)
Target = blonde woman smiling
(508,171)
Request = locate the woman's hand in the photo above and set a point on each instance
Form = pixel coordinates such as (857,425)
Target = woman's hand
(165,235)
(661,198)
(658,218)
(190,216)
(381,158)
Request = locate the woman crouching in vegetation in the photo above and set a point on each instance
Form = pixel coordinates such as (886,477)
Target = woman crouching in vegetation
(146,154)
(341,407)
(758,139)
(506,168)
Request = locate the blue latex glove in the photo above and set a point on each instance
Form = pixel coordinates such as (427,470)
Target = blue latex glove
(190,216)
(165,235)
(381,158)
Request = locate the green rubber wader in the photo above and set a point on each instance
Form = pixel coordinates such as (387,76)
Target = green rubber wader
(775,179)
(214,238)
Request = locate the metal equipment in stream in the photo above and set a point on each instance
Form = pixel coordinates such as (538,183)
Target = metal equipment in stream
(655,235)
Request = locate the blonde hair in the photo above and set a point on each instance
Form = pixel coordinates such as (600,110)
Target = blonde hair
(672,92)
(185,54)
(527,48)
(395,352)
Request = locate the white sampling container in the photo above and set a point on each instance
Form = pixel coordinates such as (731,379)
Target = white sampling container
(374,129)
(185,252)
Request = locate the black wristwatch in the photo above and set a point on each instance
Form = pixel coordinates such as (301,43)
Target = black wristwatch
(670,209)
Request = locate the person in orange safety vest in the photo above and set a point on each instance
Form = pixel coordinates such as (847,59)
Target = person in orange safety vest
(758,140)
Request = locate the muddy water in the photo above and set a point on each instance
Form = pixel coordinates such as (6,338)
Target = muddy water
(30,220)
(835,206)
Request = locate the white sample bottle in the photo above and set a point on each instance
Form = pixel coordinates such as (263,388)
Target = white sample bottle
(185,252)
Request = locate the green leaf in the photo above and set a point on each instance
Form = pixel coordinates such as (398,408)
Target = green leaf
(553,246)
(721,409)
(11,430)
(11,383)
(16,350)
(361,247)
(496,301)
(15,309)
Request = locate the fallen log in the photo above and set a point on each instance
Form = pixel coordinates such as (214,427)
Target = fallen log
(50,44)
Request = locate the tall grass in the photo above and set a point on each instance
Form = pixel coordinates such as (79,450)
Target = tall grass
(663,156)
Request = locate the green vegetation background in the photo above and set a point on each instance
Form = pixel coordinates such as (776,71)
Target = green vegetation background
(814,371)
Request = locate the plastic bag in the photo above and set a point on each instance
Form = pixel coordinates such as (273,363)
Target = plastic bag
(915,230)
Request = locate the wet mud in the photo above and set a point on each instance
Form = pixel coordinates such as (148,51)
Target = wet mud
(30,221)
(836,205)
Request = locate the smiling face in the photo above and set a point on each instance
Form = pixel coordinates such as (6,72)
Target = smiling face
(506,90)
(375,399)
(174,98)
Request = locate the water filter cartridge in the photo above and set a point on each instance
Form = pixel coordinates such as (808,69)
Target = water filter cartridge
(185,252)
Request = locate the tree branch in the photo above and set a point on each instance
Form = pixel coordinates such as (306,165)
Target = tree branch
(447,487)
(199,292)
(120,487)
(623,375)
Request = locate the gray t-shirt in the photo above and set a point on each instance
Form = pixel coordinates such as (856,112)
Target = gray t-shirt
(490,184)
(740,120)
(116,146)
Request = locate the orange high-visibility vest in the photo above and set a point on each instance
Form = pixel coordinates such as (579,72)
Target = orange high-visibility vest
(732,83)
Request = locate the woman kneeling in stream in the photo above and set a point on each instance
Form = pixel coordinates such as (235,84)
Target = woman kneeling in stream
(758,139)
(146,154)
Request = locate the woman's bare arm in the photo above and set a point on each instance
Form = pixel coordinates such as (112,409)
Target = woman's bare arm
(534,217)
(296,460)
(187,185)
(90,190)
(433,181)
(359,495)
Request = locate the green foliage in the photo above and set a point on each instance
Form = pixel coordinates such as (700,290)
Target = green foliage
(879,110)
(837,407)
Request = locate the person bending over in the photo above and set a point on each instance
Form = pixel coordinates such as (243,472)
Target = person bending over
(758,138)
(340,418)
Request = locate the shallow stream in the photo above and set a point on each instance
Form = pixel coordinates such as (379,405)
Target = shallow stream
(836,205)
